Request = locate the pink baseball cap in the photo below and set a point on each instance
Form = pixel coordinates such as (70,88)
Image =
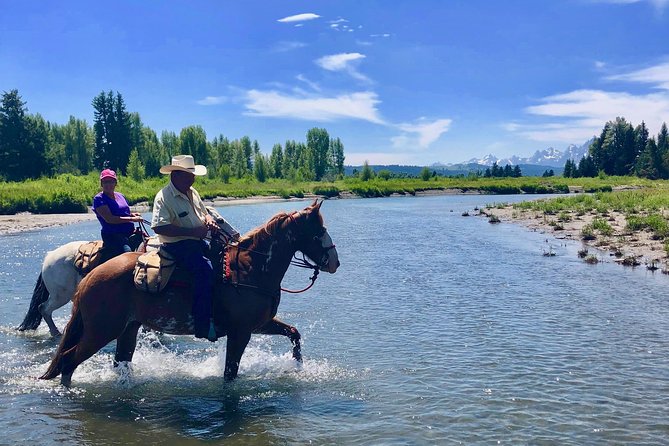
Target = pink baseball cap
(107,173)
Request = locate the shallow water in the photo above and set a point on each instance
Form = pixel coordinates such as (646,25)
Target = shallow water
(437,328)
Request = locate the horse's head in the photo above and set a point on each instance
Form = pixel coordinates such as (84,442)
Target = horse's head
(314,240)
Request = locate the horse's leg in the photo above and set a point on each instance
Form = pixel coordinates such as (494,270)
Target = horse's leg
(55,301)
(236,345)
(126,343)
(276,327)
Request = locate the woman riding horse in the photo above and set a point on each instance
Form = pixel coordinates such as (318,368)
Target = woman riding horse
(107,305)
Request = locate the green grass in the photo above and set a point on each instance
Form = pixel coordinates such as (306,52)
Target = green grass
(69,193)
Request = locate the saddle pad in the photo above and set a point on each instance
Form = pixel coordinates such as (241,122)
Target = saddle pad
(153,271)
(88,257)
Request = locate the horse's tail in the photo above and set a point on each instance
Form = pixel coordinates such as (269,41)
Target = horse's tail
(34,317)
(71,337)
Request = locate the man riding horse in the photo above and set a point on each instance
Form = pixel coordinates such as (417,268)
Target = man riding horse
(181,221)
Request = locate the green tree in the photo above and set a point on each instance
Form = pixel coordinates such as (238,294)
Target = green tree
(239,165)
(171,144)
(276,161)
(247,152)
(318,142)
(425,173)
(23,140)
(366,173)
(193,141)
(135,167)
(336,153)
(112,132)
(517,173)
(260,168)
(646,165)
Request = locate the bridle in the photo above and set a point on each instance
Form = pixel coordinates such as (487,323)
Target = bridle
(302,262)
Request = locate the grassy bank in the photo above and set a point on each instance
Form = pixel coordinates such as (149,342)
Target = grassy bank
(72,194)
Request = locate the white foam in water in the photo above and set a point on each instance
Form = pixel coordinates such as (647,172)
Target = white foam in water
(177,358)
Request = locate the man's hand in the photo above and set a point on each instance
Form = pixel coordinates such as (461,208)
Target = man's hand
(211,224)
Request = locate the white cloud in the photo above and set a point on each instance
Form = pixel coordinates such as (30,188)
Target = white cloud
(286,45)
(361,105)
(213,100)
(657,75)
(343,62)
(299,18)
(658,4)
(580,114)
(313,85)
(425,132)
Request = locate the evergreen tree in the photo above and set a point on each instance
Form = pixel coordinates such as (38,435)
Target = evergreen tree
(33,161)
(318,142)
(337,156)
(171,144)
(193,141)
(568,168)
(366,173)
(260,167)
(276,161)
(517,172)
(112,132)
(508,171)
(587,167)
(239,165)
(13,135)
(247,152)
(425,173)
(135,167)
(645,166)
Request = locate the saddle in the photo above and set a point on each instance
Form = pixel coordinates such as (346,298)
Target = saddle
(153,271)
(88,257)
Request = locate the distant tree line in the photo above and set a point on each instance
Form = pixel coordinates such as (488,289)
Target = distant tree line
(622,149)
(31,147)
(503,172)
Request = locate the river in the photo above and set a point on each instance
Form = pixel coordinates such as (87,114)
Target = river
(436,329)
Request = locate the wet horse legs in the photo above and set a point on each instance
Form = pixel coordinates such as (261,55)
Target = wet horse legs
(276,327)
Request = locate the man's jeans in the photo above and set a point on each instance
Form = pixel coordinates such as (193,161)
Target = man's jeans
(189,254)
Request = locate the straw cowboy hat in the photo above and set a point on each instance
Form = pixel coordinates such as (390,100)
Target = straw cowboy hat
(184,163)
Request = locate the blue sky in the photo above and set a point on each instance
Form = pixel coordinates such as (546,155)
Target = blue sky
(400,82)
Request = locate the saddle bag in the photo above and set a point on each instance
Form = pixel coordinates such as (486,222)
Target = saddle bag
(88,257)
(153,271)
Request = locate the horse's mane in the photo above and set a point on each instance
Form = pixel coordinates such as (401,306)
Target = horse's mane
(255,236)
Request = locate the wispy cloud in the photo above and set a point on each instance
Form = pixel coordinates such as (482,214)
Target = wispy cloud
(578,115)
(657,75)
(299,18)
(360,105)
(286,45)
(343,62)
(313,85)
(421,134)
(213,100)
(658,4)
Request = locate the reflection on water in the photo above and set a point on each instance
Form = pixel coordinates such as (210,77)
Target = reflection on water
(436,328)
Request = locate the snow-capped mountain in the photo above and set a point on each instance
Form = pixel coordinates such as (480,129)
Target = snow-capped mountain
(547,157)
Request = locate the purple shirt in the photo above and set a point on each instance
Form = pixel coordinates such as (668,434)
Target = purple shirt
(118,207)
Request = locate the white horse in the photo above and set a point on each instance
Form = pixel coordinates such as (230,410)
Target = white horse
(54,288)
(59,278)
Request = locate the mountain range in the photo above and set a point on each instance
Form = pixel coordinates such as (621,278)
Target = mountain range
(550,156)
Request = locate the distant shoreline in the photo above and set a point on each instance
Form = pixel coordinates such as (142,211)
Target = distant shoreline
(26,221)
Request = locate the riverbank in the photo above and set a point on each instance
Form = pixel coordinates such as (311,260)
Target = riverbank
(617,243)
(26,221)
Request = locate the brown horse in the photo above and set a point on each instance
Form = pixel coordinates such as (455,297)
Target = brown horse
(247,291)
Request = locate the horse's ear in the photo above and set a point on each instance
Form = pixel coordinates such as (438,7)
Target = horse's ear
(315,203)
(318,204)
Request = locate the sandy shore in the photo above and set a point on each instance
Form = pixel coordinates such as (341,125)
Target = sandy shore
(622,246)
